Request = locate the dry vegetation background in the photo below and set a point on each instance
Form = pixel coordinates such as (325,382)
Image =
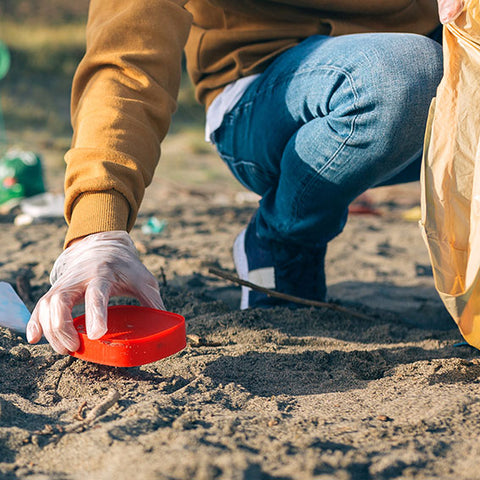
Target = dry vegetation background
(46,40)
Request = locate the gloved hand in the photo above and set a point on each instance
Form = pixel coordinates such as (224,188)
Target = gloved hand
(449,10)
(95,268)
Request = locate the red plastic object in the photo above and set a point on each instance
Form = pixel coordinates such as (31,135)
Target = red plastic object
(363,210)
(136,336)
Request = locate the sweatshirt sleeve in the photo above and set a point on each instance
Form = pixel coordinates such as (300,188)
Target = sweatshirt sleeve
(124,93)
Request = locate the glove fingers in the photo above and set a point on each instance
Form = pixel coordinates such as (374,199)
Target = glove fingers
(150,296)
(96,303)
(93,268)
(52,317)
(62,322)
(49,330)
(34,329)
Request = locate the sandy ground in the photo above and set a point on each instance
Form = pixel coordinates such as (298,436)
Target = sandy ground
(259,394)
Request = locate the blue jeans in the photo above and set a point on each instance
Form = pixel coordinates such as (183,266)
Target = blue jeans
(328,119)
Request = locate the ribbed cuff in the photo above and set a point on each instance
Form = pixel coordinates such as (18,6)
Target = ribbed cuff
(97,212)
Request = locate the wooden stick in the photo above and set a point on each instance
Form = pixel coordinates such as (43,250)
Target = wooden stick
(110,400)
(24,288)
(96,412)
(81,424)
(285,296)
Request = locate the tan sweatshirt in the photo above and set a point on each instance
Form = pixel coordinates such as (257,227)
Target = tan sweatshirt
(125,88)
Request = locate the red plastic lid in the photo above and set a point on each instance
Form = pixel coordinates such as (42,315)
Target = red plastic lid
(136,336)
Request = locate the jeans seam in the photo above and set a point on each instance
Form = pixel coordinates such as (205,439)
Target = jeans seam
(273,85)
(349,78)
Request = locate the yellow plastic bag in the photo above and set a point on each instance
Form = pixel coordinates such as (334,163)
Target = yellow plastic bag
(451,175)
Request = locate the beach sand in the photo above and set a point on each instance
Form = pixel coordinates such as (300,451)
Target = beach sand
(309,393)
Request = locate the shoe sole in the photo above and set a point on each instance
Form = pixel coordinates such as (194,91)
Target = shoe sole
(241,265)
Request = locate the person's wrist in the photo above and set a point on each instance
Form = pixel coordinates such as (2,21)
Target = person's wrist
(96,212)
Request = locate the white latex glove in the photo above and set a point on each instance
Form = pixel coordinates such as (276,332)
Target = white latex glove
(449,10)
(95,268)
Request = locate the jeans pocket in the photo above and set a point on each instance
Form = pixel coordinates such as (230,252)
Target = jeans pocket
(222,137)
(247,173)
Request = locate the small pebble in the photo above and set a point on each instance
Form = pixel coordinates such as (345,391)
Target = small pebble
(195,340)
(383,418)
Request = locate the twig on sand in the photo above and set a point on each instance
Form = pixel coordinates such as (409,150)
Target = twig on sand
(79,414)
(65,363)
(110,400)
(285,296)
(96,412)
(57,432)
(163,277)
(24,288)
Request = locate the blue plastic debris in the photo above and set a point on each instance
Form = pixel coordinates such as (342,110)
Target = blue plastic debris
(154,226)
(13,312)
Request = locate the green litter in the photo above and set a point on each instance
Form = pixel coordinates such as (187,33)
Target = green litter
(21,176)
(4,67)
(4,60)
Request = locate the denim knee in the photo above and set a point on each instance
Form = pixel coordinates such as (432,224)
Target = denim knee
(378,106)
(400,77)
